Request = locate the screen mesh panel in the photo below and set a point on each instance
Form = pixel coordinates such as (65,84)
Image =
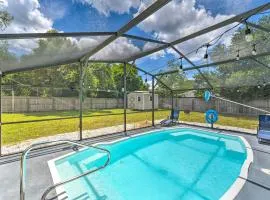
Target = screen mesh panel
(21,54)
(232,62)
(227,47)
(40,105)
(123,48)
(43,103)
(139,100)
(103,100)
(179,19)
(242,73)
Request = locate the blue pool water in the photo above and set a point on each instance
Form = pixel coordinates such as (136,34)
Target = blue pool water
(171,164)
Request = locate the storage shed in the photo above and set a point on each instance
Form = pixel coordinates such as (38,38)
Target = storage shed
(141,100)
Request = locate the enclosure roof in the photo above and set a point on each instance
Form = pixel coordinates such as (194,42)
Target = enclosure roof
(93,46)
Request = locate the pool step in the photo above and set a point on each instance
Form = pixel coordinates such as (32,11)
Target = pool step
(71,180)
(61,196)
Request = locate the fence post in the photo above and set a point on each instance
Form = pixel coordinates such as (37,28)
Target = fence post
(0,113)
(125,98)
(53,104)
(172,100)
(12,100)
(27,104)
(81,98)
(91,102)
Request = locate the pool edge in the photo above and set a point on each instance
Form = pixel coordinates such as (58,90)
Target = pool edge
(55,175)
(239,183)
(230,194)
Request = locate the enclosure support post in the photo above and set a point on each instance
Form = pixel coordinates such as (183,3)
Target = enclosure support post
(153,101)
(81,99)
(158,80)
(125,98)
(0,113)
(212,124)
(172,100)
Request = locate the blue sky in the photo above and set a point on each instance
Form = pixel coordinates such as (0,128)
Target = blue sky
(84,17)
(175,20)
(80,17)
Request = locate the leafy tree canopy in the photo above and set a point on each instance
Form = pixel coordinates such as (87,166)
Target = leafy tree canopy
(5,17)
(100,80)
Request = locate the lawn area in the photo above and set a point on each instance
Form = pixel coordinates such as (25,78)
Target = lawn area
(14,133)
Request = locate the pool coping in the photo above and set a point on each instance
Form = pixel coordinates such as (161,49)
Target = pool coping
(230,194)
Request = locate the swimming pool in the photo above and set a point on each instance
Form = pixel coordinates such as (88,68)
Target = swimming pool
(179,163)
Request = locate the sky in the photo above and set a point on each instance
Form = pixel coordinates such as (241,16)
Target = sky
(175,20)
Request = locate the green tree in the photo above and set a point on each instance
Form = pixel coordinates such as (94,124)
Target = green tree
(176,81)
(5,17)
(99,78)
(244,79)
(134,81)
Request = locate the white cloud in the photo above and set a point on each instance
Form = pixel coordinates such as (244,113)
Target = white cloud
(119,49)
(86,44)
(175,20)
(149,46)
(180,18)
(54,9)
(157,55)
(228,6)
(3,4)
(143,5)
(22,46)
(27,19)
(107,6)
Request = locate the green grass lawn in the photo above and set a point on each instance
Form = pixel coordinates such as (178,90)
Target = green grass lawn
(14,133)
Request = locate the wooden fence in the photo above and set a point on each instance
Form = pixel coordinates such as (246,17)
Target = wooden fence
(19,104)
(199,105)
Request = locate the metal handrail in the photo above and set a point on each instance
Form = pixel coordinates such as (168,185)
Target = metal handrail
(47,191)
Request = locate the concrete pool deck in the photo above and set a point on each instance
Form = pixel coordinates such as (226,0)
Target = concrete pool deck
(257,185)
